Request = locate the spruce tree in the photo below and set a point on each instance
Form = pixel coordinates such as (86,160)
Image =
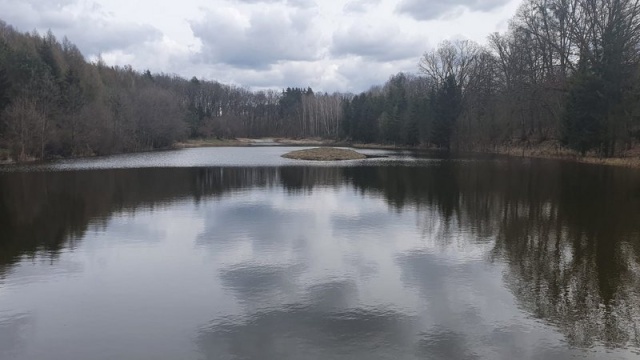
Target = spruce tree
(447,104)
(4,89)
(584,112)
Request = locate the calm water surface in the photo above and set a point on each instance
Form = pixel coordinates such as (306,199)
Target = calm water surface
(236,253)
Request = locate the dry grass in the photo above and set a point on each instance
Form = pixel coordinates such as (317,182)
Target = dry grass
(625,162)
(214,142)
(547,150)
(304,142)
(553,150)
(386,146)
(195,143)
(5,157)
(325,154)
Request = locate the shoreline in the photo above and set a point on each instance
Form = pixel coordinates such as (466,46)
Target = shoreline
(252,142)
(553,152)
(548,150)
(541,151)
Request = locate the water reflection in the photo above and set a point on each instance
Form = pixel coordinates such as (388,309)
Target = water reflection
(574,261)
(254,284)
(310,257)
(307,331)
(13,331)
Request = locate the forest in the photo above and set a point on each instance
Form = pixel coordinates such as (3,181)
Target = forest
(566,72)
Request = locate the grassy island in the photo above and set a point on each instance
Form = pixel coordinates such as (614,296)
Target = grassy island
(325,154)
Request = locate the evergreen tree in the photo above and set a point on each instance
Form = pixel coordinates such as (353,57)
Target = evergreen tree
(447,104)
(584,114)
(48,51)
(5,88)
(147,75)
(411,128)
(387,124)
(347,119)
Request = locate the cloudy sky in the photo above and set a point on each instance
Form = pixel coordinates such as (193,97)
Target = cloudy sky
(329,45)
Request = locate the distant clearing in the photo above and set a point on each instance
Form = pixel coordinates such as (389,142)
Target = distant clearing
(325,154)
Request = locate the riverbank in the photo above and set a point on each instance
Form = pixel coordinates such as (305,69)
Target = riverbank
(554,150)
(544,150)
(194,143)
(5,157)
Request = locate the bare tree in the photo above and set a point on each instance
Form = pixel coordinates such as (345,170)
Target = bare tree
(455,58)
(23,121)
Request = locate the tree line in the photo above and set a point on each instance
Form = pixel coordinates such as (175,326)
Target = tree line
(566,73)
(53,103)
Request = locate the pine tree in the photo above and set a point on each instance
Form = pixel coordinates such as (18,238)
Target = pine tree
(584,112)
(5,87)
(447,106)
(411,128)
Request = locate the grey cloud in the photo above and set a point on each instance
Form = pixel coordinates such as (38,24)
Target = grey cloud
(380,44)
(301,76)
(434,9)
(47,4)
(282,75)
(269,38)
(93,30)
(360,6)
(260,1)
(305,4)
(361,75)
(110,36)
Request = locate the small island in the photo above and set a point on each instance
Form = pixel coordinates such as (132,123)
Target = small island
(325,154)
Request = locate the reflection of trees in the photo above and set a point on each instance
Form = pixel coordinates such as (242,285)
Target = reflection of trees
(41,212)
(569,233)
(574,261)
(44,212)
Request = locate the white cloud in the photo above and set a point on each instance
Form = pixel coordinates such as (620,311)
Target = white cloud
(377,43)
(256,40)
(329,45)
(360,6)
(433,9)
(85,24)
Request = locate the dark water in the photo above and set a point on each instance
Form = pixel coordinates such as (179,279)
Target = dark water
(181,255)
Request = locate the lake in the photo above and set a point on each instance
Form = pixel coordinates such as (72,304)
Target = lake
(237,253)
